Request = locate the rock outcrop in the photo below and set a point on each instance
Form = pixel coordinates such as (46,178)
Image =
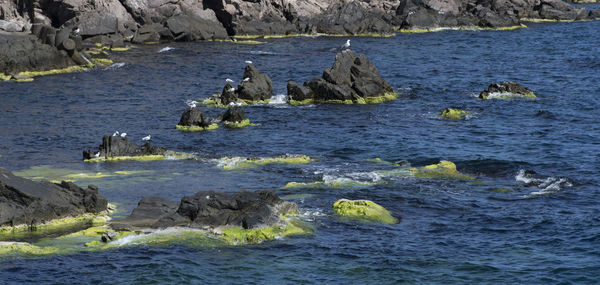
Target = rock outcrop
(363,209)
(115,147)
(209,210)
(351,79)
(193,119)
(30,203)
(255,88)
(506,90)
(234,117)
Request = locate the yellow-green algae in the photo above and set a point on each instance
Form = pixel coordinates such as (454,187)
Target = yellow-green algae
(250,102)
(237,125)
(8,248)
(56,175)
(197,128)
(51,71)
(341,183)
(301,102)
(453,114)
(236,162)
(444,169)
(56,225)
(102,61)
(389,96)
(166,156)
(363,209)
(240,236)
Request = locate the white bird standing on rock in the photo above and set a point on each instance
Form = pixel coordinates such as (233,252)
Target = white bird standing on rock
(231,89)
(146,138)
(97,155)
(248,62)
(116,133)
(123,135)
(346,45)
(246,79)
(191,103)
(228,80)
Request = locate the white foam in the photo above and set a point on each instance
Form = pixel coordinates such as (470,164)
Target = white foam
(503,95)
(115,66)
(278,99)
(165,49)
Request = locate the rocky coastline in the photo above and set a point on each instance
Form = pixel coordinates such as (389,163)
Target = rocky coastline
(56,34)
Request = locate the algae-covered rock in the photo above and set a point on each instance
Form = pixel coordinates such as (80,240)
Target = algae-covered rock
(353,79)
(254,88)
(26,205)
(454,114)
(116,148)
(237,162)
(193,119)
(363,209)
(234,117)
(443,169)
(506,90)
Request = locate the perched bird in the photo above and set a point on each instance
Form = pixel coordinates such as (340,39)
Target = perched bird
(97,155)
(146,138)
(76,31)
(231,89)
(248,62)
(116,133)
(346,45)
(228,80)
(246,79)
(123,135)
(191,103)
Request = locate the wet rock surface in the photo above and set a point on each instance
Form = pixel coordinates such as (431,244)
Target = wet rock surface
(506,87)
(28,202)
(194,117)
(115,146)
(209,209)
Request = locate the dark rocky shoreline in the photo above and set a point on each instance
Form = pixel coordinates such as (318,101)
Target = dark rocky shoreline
(114,24)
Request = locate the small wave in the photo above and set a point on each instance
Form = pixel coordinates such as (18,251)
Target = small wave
(546,185)
(115,66)
(165,49)
(260,52)
(504,95)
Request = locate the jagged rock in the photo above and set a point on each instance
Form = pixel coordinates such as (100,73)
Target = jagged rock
(258,87)
(115,146)
(23,201)
(506,89)
(228,95)
(194,117)
(351,79)
(19,52)
(352,18)
(209,209)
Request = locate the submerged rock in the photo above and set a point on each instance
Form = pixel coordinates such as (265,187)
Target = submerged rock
(26,204)
(444,169)
(454,114)
(193,119)
(363,209)
(114,148)
(506,90)
(351,79)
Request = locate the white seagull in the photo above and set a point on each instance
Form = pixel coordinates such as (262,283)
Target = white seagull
(346,45)
(231,89)
(248,62)
(123,135)
(97,155)
(116,133)
(228,80)
(191,103)
(246,79)
(146,138)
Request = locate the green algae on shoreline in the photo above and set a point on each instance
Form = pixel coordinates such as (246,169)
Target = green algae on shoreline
(169,155)
(196,128)
(390,96)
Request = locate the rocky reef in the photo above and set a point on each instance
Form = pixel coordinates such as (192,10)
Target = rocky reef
(353,79)
(27,205)
(363,209)
(506,90)
(255,88)
(454,114)
(115,148)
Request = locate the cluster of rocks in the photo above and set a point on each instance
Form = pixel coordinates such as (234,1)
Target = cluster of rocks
(193,119)
(506,89)
(255,87)
(351,79)
(26,202)
(209,210)
(116,146)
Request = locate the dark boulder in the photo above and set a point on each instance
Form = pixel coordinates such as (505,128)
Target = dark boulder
(210,209)
(352,18)
(351,79)
(256,86)
(194,117)
(23,201)
(506,87)
(20,52)
(114,146)
(234,115)
(191,28)
(229,95)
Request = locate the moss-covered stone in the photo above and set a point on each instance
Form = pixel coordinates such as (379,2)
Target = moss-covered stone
(444,169)
(363,209)
(9,248)
(197,128)
(237,125)
(54,226)
(169,155)
(240,236)
(236,162)
(102,61)
(301,102)
(454,114)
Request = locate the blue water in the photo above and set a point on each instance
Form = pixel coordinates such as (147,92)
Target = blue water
(451,231)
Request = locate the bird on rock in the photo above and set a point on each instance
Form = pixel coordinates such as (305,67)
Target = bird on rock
(146,138)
